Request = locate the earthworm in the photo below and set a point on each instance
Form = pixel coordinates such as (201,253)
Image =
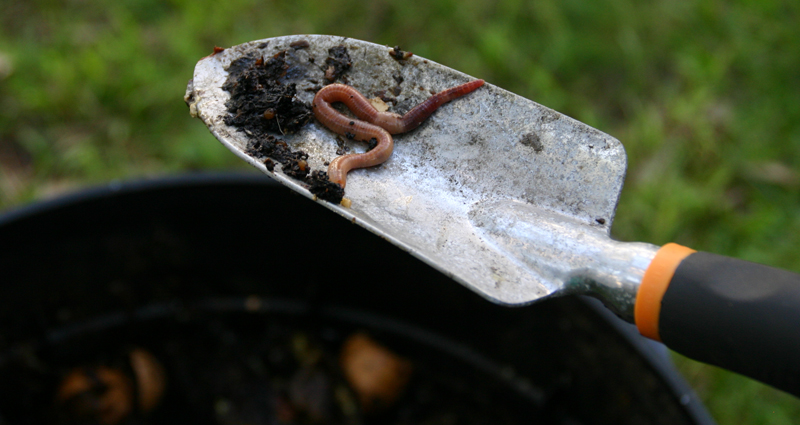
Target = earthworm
(372,124)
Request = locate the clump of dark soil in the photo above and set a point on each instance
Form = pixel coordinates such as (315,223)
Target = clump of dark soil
(262,104)
(325,189)
(338,62)
(268,146)
(259,101)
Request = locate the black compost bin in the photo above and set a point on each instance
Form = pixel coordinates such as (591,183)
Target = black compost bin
(238,295)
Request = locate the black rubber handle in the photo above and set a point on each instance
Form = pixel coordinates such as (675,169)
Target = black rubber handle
(738,315)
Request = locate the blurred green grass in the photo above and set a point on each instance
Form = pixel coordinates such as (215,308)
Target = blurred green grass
(705,96)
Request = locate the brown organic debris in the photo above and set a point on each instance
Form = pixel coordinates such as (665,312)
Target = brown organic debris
(376,374)
(379,104)
(216,50)
(151,379)
(101,394)
(337,63)
(398,54)
(300,44)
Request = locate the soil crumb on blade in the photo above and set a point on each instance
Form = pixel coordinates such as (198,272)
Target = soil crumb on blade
(325,189)
(398,54)
(300,44)
(338,62)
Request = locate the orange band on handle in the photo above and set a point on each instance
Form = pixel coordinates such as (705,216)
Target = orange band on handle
(654,285)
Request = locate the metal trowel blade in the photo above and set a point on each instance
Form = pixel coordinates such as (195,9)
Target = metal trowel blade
(502,194)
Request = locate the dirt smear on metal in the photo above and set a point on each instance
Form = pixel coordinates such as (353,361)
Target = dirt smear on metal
(263,104)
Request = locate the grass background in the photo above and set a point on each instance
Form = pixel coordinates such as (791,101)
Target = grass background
(704,94)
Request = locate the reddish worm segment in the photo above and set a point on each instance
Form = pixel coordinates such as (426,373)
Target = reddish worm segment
(372,124)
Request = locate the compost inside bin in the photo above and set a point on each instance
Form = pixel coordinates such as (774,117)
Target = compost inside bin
(258,361)
(223,300)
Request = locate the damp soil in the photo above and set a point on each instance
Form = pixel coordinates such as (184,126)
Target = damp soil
(295,164)
(253,361)
(263,105)
(259,101)
(337,62)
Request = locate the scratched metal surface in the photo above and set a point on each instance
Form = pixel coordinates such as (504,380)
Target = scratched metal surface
(504,195)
